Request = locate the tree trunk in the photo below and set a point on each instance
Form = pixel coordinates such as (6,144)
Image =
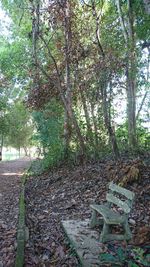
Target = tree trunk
(35,36)
(103,84)
(1,146)
(67,134)
(95,129)
(26,151)
(131,109)
(68,96)
(128,33)
(66,99)
(131,80)
(107,120)
(87,118)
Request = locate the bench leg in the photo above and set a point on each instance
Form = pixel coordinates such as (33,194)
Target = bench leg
(105,232)
(95,221)
(128,234)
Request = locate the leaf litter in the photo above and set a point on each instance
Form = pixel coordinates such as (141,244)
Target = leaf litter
(66,193)
(10,186)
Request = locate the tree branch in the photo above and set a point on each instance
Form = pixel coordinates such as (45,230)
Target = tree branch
(146,93)
(53,59)
(97,28)
(125,33)
(142,103)
(58,86)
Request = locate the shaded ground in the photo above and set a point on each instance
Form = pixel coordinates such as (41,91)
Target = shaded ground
(10,184)
(67,193)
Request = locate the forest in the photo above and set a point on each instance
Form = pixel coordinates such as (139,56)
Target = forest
(82,69)
(74,94)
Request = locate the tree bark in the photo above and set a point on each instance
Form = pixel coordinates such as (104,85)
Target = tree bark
(103,84)
(128,33)
(67,134)
(1,146)
(87,118)
(107,120)
(131,80)
(68,96)
(69,118)
(146,93)
(95,129)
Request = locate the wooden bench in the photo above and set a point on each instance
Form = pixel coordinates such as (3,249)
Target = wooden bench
(114,212)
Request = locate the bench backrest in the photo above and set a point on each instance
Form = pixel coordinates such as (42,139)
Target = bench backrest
(112,198)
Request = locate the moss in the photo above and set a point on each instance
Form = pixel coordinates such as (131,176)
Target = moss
(21,229)
(20,252)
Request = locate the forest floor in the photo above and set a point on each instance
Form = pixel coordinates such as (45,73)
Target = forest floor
(66,193)
(10,186)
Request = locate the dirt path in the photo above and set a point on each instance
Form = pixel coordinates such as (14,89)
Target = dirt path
(10,185)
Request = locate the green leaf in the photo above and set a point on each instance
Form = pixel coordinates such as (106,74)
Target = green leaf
(121,254)
(108,257)
(132,264)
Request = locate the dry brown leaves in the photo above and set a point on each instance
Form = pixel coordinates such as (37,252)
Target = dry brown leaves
(125,172)
(67,194)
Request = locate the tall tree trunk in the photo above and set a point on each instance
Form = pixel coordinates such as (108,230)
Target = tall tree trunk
(147,89)
(87,118)
(103,86)
(107,119)
(68,96)
(95,129)
(128,33)
(35,35)
(131,109)
(1,146)
(131,79)
(66,99)
(67,134)
(26,151)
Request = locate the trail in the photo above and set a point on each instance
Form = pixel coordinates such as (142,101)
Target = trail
(10,186)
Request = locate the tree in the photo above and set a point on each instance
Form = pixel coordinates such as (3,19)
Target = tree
(3,113)
(80,56)
(20,127)
(131,14)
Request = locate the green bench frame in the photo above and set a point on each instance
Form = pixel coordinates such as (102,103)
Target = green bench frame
(111,217)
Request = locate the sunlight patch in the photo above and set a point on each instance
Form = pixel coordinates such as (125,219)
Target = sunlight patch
(12,173)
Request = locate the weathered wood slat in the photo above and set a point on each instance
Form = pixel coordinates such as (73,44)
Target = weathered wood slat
(123,191)
(124,206)
(109,216)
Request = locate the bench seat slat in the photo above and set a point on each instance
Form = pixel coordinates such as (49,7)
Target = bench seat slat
(110,216)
